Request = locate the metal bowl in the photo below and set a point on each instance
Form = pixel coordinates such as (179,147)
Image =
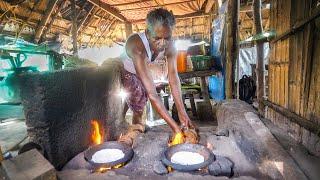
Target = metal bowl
(196,148)
(127,150)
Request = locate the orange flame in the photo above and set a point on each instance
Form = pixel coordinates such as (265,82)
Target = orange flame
(105,169)
(178,138)
(96,137)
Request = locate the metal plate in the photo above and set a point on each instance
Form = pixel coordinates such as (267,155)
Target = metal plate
(202,150)
(127,150)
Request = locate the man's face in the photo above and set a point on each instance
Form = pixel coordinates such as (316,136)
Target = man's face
(160,36)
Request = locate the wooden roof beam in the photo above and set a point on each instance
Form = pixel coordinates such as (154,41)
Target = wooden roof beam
(44,20)
(107,8)
(104,31)
(53,17)
(209,6)
(85,18)
(147,7)
(131,3)
(186,16)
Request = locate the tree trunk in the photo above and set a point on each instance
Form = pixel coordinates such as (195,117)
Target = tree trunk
(256,6)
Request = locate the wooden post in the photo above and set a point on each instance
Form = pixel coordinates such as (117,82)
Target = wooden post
(74,28)
(231,46)
(256,6)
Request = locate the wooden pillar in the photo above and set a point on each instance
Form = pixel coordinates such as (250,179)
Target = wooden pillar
(256,6)
(128,28)
(231,46)
(74,28)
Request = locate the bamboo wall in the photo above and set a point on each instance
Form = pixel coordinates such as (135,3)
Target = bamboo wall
(294,69)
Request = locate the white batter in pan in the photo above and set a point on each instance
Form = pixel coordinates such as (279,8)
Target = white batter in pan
(107,155)
(187,158)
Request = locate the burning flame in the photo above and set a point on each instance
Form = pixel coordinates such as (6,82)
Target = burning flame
(105,169)
(96,137)
(179,138)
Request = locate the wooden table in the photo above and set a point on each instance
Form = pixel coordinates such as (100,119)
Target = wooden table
(203,83)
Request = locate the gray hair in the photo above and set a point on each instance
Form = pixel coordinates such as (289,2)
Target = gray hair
(162,16)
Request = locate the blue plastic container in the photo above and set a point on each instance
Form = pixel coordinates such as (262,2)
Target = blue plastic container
(216,87)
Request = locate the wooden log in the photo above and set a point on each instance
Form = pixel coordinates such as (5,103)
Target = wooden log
(231,46)
(293,117)
(44,20)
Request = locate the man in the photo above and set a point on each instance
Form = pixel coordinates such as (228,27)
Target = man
(146,53)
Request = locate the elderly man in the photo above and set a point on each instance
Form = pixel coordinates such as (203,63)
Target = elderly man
(146,55)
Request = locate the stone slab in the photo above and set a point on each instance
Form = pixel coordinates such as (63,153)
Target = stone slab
(30,165)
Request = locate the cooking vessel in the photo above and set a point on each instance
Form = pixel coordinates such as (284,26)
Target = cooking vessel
(127,150)
(196,148)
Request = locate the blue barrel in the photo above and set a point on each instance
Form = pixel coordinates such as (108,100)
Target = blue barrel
(216,87)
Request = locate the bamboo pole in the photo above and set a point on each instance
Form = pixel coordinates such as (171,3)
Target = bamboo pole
(231,46)
(256,6)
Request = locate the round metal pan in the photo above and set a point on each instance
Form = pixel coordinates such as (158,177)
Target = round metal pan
(202,150)
(127,150)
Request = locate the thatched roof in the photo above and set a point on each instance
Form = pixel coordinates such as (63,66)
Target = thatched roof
(104,21)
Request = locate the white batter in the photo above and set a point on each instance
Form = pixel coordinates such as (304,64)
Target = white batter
(107,155)
(187,158)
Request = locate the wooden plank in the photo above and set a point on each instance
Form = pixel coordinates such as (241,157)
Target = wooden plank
(314,95)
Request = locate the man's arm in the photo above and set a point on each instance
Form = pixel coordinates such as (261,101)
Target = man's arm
(139,56)
(175,85)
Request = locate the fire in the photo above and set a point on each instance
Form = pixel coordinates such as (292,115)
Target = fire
(179,138)
(96,136)
(105,169)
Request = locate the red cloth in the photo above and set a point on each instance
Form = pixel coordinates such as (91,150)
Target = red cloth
(137,95)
